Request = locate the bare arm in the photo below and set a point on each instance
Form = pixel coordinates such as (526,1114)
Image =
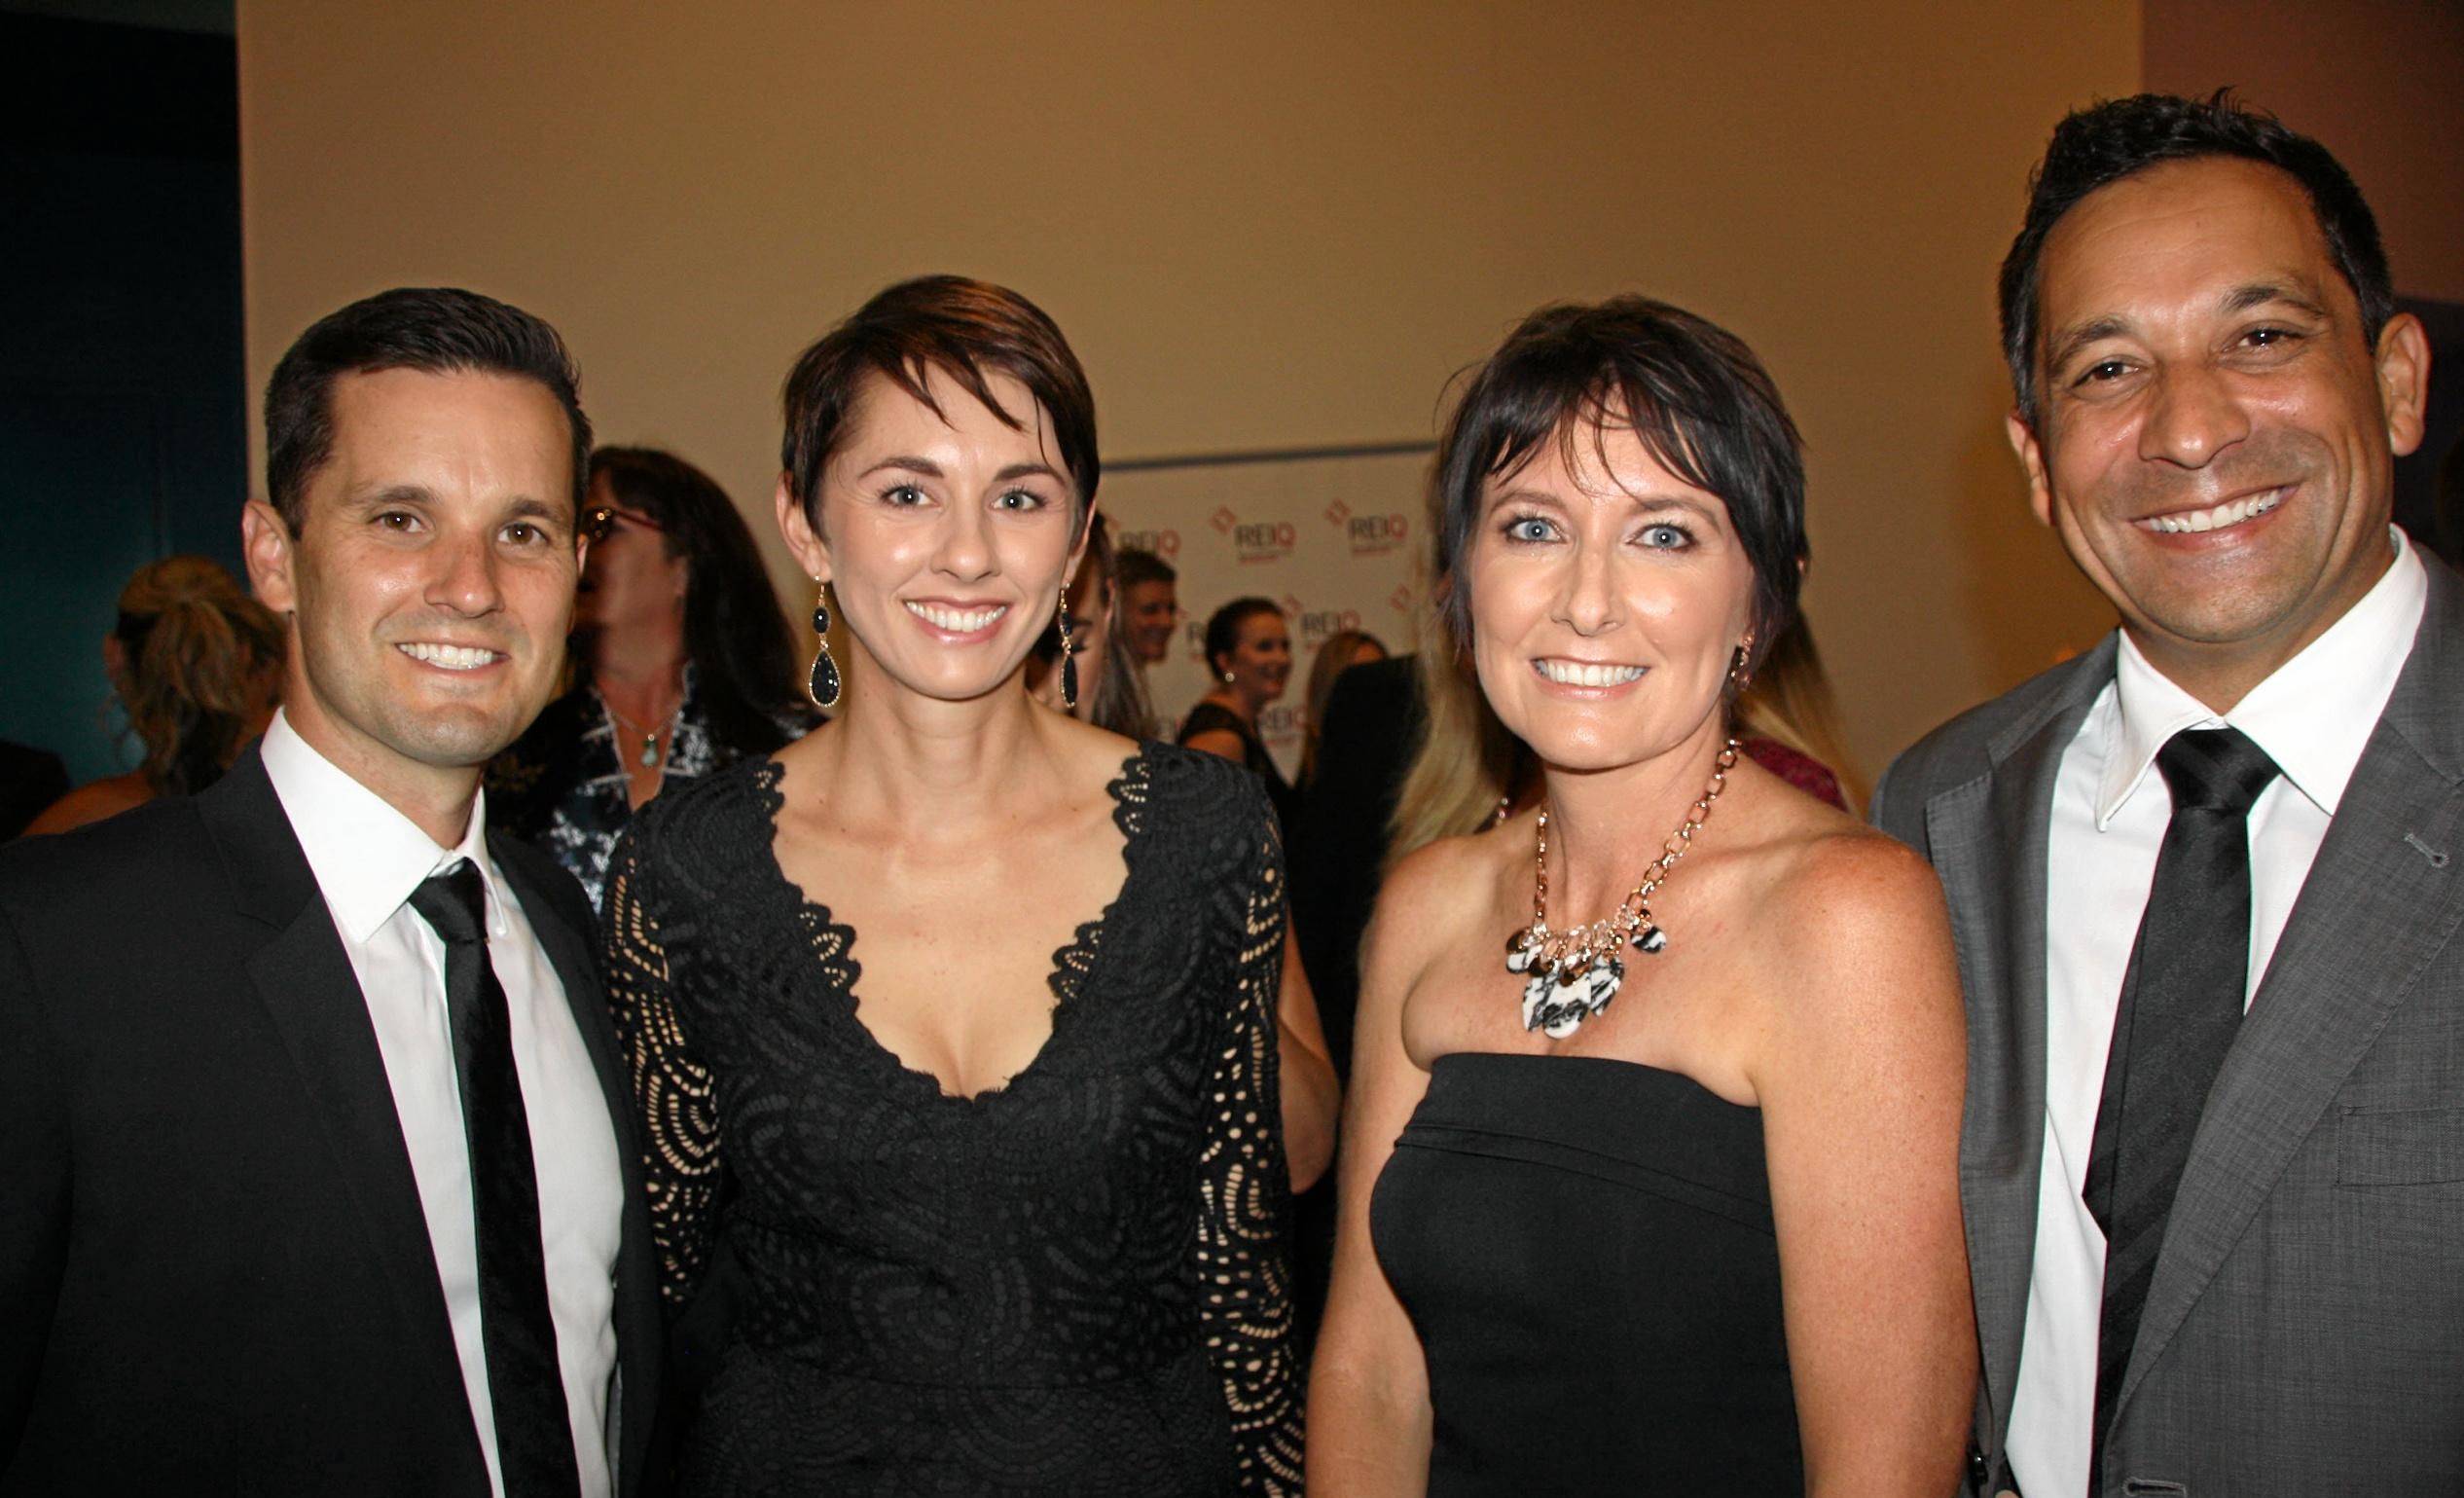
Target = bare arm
(1368,1405)
(1861,1088)
(1311,1094)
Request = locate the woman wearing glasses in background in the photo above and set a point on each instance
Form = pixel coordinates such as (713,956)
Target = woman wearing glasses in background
(682,663)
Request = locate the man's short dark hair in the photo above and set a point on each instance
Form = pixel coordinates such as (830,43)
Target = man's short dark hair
(2104,143)
(1131,567)
(438,330)
(969,330)
(1700,401)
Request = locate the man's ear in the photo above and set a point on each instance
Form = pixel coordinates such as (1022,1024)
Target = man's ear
(267,544)
(2023,441)
(811,551)
(2404,380)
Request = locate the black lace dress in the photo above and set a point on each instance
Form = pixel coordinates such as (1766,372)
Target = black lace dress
(1071,1284)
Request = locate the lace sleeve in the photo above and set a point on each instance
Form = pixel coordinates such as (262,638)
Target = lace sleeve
(680,1132)
(1244,1302)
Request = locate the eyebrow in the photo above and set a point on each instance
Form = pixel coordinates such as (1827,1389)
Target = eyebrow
(2241,299)
(933,470)
(523,505)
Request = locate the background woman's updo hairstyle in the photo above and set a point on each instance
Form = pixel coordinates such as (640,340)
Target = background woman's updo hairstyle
(968,329)
(1697,397)
(195,661)
(1223,629)
(735,632)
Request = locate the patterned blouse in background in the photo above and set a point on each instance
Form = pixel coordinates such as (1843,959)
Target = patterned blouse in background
(561,787)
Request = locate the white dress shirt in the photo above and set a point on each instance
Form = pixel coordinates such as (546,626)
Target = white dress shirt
(366,859)
(2313,717)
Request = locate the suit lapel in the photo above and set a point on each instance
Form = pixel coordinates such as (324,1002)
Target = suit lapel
(304,980)
(2372,916)
(1987,839)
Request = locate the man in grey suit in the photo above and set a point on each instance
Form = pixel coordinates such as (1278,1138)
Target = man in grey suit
(2202,878)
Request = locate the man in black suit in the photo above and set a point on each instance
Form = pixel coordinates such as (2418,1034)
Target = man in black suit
(314,1147)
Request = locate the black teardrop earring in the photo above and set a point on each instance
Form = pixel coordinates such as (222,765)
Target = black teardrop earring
(1069,661)
(823,687)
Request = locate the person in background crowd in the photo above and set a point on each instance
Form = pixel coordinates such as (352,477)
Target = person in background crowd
(954,1021)
(1110,686)
(195,664)
(1249,654)
(683,663)
(316,1176)
(1148,597)
(1342,650)
(1721,1218)
(1788,724)
(2201,873)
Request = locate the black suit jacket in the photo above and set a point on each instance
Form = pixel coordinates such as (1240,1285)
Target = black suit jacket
(215,1275)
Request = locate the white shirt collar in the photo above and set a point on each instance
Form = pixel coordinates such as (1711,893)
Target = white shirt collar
(367,856)
(2313,715)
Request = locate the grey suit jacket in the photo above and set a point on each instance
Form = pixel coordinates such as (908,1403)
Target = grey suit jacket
(2305,1332)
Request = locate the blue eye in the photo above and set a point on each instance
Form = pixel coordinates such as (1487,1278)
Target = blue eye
(1530,527)
(1666,535)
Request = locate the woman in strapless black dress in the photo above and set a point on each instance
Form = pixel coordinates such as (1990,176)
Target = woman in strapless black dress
(1650,1180)
(954,1021)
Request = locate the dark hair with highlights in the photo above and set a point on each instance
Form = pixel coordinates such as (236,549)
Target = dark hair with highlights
(438,330)
(1134,566)
(1692,391)
(735,632)
(2104,143)
(968,329)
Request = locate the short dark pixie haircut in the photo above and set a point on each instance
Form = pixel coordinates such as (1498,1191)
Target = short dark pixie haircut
(1134,566)
(2104,143)
(438,330)
(968,329)
(1692,391)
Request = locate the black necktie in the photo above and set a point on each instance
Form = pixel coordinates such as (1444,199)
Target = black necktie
(534,1433)
(2181,1007)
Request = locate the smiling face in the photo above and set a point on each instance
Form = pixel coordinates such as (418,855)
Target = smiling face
(2217,438)
(944,542)
(1153,611)
(1259,662)
(432,579)
(1608,601)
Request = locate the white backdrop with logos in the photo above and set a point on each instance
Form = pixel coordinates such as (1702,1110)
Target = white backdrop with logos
(1335,540)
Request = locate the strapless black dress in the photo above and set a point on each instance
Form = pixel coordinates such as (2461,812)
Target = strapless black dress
(1586,1246)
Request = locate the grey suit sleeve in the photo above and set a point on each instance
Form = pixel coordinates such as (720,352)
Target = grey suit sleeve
(34,1189)
(1898,810)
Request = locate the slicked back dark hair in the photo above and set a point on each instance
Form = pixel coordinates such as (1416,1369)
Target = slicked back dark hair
(1223,627)
(438,330)
(1692,391)
(2102,144)
(735,632)
(968,329)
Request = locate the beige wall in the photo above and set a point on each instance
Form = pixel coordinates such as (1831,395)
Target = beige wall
(1261,224)
(2380,82)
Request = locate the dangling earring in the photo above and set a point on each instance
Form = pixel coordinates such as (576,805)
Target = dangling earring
(1739,677)
(823,687)
(1069,661)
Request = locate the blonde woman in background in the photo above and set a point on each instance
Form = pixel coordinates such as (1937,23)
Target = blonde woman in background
(195,665)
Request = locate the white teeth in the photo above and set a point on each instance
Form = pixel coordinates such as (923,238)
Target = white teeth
(449,657)
(1583,674)
(957,621)
(2232,513)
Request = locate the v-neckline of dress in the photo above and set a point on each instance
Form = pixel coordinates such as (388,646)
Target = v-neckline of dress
(1074,963)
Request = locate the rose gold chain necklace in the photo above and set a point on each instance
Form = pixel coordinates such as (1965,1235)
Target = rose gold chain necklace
(1573,974)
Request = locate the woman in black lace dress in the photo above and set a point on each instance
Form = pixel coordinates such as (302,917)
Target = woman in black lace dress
(954,1021)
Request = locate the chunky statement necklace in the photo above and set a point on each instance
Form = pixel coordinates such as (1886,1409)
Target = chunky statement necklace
(1573,974)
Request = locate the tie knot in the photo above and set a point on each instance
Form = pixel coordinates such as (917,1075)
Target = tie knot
(2215,770)
(454,904)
